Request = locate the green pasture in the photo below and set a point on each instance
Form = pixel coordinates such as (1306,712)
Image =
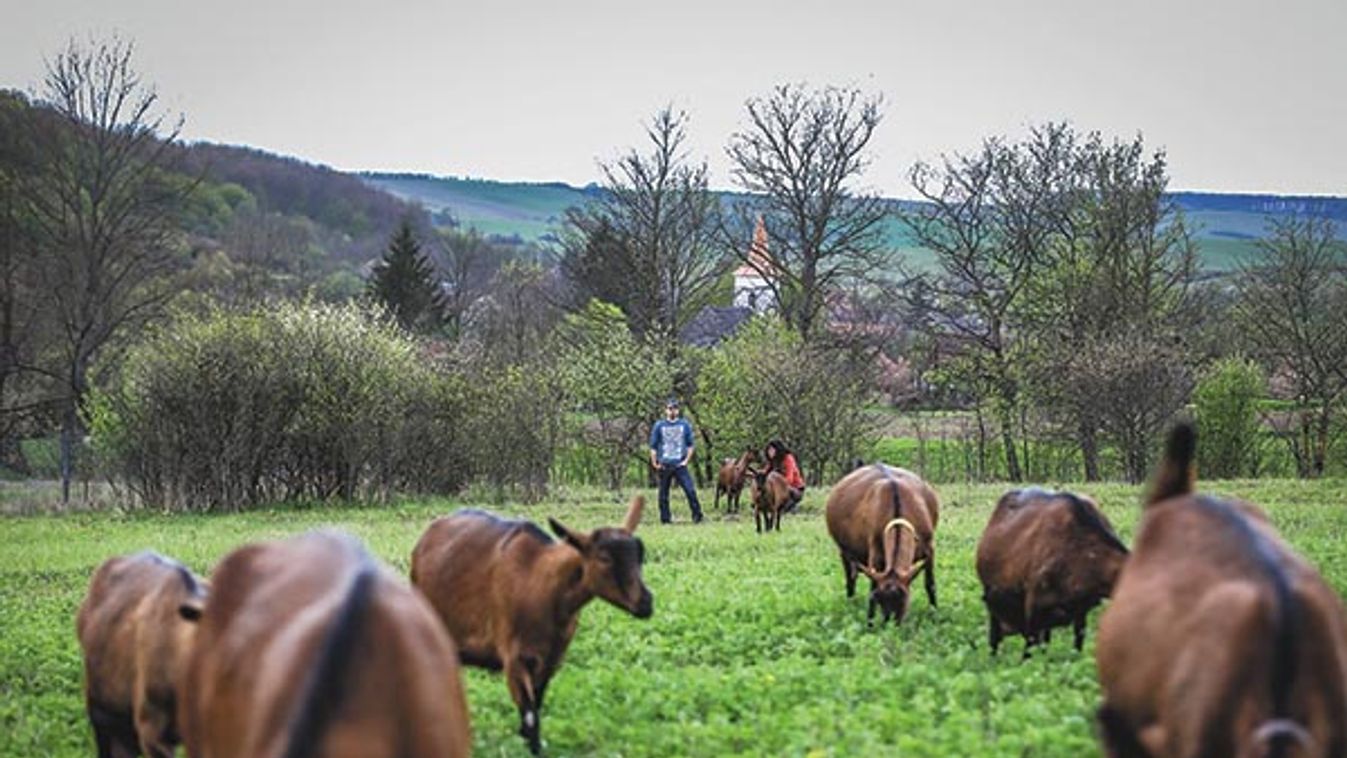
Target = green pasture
(753,648)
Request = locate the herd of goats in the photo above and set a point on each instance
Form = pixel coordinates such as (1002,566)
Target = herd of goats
(1219,639)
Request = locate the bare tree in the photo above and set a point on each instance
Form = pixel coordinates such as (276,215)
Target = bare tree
(510,323)
(466,262)
(268,250)
(103,203)
(1290,306)
(801,155)
(987,219)
(1119,269)
(23,390)
(649,235)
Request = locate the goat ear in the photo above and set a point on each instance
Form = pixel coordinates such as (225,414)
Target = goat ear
(575,539)
(633,518)
(872,573)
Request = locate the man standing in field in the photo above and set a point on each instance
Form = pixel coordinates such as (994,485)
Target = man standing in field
(670,451)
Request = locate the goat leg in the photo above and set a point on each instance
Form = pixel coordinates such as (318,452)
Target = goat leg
(849,571)
(929,570)
(521,689)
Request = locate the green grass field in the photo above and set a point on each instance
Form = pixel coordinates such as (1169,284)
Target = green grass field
(753,648)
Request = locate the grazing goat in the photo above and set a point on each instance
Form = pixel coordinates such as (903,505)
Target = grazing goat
(867,513)
(308,648)
(771,497)
(1220,640)
(136,631)
(1045,560)
(511,596)
(731,478)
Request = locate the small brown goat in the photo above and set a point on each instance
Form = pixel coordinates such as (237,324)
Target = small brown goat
(867,513)
(511,596)
(1045,560)
(771,495)
(136,631)
(308,648)
(1220,640)
(733,472)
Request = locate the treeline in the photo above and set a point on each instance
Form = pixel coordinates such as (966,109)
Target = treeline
(1065,316)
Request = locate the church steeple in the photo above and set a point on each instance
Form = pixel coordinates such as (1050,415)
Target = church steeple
(751,287)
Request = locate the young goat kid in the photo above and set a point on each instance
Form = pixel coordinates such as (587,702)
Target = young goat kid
(511,597)
(771,496)
(1220,640)
(733,473)
(880,513)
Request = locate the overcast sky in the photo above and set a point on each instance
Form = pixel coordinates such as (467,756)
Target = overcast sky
(1244,96)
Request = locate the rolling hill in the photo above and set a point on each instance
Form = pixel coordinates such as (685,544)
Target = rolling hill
(1226,225)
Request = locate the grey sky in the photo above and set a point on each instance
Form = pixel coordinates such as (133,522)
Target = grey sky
(1245,96)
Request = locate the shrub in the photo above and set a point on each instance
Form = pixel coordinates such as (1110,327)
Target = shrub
(615,381)
(233,408)
(1226,400)
(765,383)
(515,426)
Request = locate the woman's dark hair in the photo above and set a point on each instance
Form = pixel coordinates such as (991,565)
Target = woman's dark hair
(779,446)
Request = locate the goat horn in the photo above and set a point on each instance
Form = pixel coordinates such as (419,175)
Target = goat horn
(901,523)
(891,540)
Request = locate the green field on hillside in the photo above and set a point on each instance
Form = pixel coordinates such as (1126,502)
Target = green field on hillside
(1225,237)
(753,647)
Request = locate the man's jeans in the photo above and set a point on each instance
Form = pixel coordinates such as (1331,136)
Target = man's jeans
(684,478)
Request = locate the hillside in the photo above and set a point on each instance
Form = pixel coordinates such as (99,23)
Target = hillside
(335,201)
(1226,225)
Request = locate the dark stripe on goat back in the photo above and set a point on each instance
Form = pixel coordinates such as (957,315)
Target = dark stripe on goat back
(512,527)
(326,685)
(1089,518)
(189,582)
(896,497)
(1267,560)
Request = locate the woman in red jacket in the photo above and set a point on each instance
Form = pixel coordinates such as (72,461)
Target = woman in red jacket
(781,460)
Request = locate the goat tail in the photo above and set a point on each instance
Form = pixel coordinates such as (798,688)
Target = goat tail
(1178,470)
(325,686)
(1278,737)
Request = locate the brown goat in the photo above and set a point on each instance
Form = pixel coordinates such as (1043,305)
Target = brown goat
(308,648)
(771,495)
(1045,560)
(867,513)
(135,630)
(511,596)
(1220,640)
(733,472)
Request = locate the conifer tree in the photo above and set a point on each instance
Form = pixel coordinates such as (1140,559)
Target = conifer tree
(405,283)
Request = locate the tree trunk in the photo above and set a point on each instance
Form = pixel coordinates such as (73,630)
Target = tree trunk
(69,430)
(982,446)
(1007,421)
(1320,454)
(1089,450)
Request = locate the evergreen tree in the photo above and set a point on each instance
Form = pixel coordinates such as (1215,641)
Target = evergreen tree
(405,283)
